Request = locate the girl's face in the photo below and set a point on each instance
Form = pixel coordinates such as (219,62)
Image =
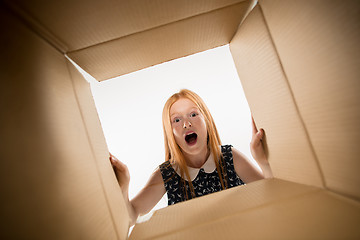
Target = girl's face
(189,127)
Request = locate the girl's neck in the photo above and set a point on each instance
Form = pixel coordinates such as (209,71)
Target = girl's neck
(197,160)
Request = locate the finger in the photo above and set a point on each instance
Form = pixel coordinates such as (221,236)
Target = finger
(118,164)
(254,128)
(257,138)
(113,158)
(260,133)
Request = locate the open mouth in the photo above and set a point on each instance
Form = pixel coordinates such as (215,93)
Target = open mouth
(191,138)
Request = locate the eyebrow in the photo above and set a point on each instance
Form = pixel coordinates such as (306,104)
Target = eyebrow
(193,108)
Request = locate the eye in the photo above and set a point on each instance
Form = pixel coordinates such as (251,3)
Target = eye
(176,120)
(193,114)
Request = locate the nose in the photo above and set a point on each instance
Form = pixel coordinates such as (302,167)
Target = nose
(187,124)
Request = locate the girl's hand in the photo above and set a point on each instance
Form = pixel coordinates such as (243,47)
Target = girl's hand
(256,145)
(121,172)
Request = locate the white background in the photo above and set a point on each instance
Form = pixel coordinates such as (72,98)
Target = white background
(130,108)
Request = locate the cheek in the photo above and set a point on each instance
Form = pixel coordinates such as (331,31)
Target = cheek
(177,135)
(176,131)
(200,122)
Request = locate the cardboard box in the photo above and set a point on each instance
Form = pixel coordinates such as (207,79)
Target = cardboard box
(298,62)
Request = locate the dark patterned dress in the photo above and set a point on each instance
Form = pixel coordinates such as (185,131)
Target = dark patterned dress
(204,183)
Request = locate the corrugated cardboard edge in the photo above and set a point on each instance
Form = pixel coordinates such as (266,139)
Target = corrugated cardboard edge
(148,48)
(318,44)
(266,209)
(272,103)
(310,216)
(113,195)
(220,205)
(61,45)
(50,185)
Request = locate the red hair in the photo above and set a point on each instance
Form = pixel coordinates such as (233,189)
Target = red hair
(173,152)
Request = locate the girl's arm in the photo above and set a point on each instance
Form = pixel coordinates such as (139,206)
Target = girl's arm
(147,198)
(244,168)
(150,195)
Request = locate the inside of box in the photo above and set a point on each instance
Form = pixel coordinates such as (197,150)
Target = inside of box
(298,63)
(130,108)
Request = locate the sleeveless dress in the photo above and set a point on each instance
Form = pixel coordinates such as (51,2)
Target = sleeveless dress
(205,182)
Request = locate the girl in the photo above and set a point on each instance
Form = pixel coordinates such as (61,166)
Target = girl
(195,162)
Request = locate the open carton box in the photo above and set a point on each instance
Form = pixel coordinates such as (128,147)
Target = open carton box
(298,62)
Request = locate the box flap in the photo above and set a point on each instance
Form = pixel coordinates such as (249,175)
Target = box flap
(266,209)
(117,208)
(318,44)
(272,104)
(111,38)
(80,24)
(174,40)
(50,183)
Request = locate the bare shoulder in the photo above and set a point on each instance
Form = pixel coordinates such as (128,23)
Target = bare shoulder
(240,160)
(155,178)
(244,168)
(238,156)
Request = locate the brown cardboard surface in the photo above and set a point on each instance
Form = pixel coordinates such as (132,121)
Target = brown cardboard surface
(266,209)
(114,198)
(216,206)
(271,102)
(80,24)
(49,182)
(318,44)
(56,182)
(174,40)
(313,216)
